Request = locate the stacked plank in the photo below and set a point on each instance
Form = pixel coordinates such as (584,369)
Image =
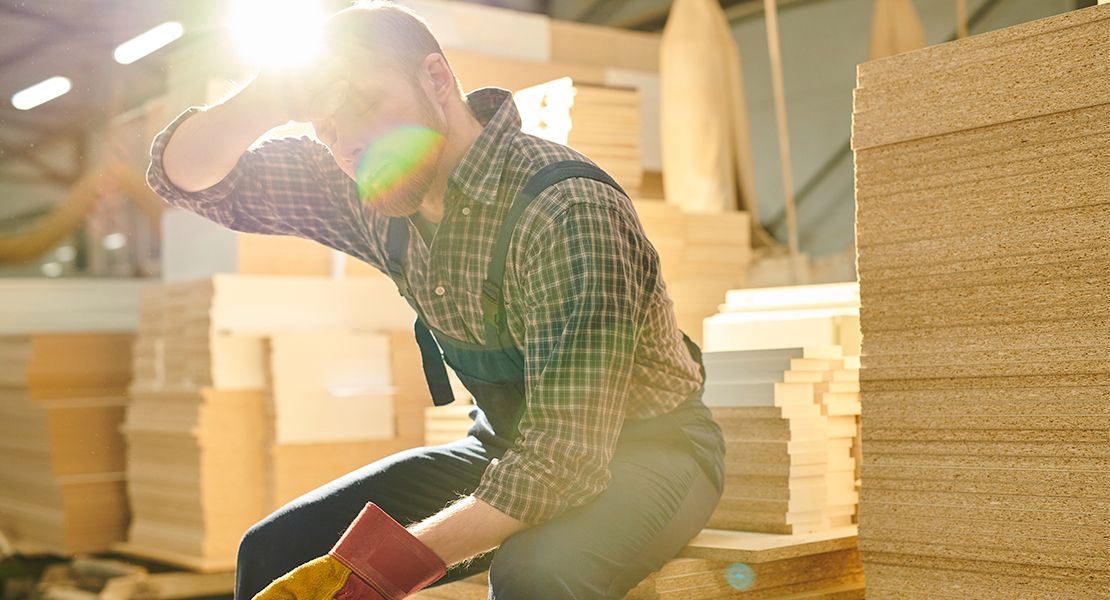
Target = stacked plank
(602,123)
(982,216)
(62,397)
(789,465)
(778,317)
(193,247)
(702,257)
(267,385)
(730,564)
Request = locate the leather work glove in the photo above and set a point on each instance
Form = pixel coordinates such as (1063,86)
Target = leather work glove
(376,559)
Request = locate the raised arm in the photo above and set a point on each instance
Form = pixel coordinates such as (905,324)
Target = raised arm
(203,162)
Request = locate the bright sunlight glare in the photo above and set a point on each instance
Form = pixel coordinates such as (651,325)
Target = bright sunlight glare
(277,32)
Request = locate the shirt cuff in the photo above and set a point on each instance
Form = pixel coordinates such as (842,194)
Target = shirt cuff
(522,489)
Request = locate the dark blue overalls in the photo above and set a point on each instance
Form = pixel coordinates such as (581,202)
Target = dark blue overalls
(667,471)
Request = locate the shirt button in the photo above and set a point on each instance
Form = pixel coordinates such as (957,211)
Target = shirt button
(440,290)
(466,210)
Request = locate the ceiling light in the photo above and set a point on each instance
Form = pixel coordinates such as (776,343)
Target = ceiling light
(41,93)
(114,241)
(277,32)
(52,269)
(147,42)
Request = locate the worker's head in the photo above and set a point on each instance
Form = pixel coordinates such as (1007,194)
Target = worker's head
(402,102)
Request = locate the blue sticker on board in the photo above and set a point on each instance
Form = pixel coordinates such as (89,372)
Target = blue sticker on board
(740,576)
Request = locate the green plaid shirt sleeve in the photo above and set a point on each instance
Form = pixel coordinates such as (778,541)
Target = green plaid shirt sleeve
(584,305)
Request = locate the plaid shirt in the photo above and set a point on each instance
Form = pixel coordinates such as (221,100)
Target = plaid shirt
(585,301)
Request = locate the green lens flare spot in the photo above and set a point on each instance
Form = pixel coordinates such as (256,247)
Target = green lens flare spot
(740,576)
(393,158)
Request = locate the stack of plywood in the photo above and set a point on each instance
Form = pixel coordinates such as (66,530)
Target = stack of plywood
(62,397)
(982,215)
(194,247)
(269,385)
(789,465)
(778,317)
(44,305)
(601,122)
(730,564)
(702,257)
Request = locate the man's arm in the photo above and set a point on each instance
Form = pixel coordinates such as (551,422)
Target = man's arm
(205,148)
(202,162)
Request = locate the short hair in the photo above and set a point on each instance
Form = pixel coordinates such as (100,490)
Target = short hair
(382,29)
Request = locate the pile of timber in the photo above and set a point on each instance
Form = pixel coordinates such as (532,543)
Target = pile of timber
(62,398)
(982,199)
(270,386)
(789,418)
(789,316)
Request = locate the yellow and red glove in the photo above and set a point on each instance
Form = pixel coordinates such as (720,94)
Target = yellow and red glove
(376,559)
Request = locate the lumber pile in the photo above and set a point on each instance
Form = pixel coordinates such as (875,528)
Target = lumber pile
(46,305)
(193,248)
(266,385)
(62,397)
(730,564)
(602,123)
(702,257)
(789,418)
(982,214)
(791,316)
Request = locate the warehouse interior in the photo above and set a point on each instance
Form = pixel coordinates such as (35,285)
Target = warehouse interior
(881,222)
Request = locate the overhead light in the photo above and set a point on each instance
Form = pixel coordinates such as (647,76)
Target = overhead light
(52,269)
(65,253)
(41,93)
(114,241)
(277,32)
(147,42)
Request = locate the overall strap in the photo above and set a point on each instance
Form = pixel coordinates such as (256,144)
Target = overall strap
(431,356)
(493,298)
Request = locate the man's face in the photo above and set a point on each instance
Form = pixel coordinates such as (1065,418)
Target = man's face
(388,137)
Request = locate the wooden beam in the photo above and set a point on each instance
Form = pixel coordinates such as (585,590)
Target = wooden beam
(774,48)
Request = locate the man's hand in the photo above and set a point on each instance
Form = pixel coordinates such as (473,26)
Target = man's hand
(376,559)
(306,94)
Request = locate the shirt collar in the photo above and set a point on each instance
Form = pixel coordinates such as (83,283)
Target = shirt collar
(479,172)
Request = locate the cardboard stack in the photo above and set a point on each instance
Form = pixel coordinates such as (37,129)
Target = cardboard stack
(266,385)
(789,465)
(982,215)
(62,397)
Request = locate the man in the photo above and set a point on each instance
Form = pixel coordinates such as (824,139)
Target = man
(592,460)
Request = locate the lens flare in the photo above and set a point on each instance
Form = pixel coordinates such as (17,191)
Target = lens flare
(740,576)
(396,160)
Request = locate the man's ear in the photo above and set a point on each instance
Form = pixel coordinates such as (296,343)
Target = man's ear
(440,77)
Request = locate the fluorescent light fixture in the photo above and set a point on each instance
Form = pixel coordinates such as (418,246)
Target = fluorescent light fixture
(277,32)
(147,42)
(41,93)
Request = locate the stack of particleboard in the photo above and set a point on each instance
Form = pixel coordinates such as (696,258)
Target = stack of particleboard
(62,398)
(779,317)
(602,123)
(64,305)
(194,247)
(267,385)
(511,49)
(982,215)
(733,564)
(702,257)
(789,465)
